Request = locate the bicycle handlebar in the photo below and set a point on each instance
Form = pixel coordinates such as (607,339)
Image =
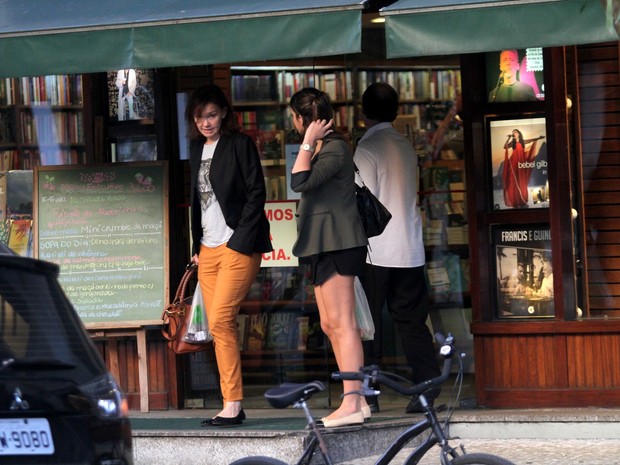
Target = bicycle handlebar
(371,374)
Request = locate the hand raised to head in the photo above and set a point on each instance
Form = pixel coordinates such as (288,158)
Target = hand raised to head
(317,130)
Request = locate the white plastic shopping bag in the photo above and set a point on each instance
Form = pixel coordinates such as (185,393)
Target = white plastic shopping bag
(362,313)
(198,327)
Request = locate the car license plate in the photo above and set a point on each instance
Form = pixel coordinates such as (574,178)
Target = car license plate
(25,436)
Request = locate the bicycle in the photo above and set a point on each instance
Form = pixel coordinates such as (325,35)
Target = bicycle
(297,395)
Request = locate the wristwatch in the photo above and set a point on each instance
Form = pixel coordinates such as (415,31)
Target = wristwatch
(308,148)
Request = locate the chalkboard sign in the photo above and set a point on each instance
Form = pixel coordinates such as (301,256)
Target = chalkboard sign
(106,226)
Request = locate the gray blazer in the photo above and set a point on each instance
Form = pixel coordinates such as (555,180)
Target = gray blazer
(328,218)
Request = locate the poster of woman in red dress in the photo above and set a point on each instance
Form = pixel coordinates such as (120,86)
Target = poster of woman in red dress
(518,166)
(519,163)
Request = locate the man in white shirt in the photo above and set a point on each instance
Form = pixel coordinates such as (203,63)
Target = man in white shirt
(388,165)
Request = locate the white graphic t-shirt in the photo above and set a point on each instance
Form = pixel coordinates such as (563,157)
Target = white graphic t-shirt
(215,232)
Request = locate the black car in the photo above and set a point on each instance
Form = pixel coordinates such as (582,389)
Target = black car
(58,403)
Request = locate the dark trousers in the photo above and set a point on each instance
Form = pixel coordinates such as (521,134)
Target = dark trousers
(405,293)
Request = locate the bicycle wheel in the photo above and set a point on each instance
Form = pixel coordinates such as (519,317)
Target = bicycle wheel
(258,461)
(479,459)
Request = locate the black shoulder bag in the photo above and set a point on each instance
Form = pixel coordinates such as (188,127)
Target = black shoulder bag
(373,213)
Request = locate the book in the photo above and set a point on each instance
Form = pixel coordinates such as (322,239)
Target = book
(291,150)
(7,159)
(293,290)
(433,232)
(465,274)
(7,131)
(453,268)
(2,195)
(256,288)
(19,194)
(436,178)
(438,278)
(281,328)
(5,230)
(329,85)
(457,230)
(270,143)
(316,336)
(257,331)
(306,285)
(242,328)
(302,332)
(277,276)
(20,237)
(276,187)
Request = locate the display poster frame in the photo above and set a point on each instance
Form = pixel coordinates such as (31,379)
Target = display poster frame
(138,93)
(522,265)
(517,161)
(134,148)
(530,73)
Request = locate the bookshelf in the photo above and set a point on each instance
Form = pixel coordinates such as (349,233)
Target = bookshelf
(446,241)
(260,94)
(442,198)
(42,121)
(271,149)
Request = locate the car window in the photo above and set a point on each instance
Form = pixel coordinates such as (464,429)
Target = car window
(37,323)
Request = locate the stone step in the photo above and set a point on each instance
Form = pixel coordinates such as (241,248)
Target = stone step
(171,438)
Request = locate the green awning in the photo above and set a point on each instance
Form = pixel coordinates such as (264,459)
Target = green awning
(447,27)
(81,36)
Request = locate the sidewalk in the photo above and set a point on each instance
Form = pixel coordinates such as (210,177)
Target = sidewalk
(530,452)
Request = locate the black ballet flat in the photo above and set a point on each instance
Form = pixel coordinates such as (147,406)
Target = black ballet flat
(224,421)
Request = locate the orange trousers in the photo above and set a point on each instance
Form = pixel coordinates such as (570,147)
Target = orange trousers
(225,276)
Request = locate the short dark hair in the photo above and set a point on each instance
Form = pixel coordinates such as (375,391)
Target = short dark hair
(199,99)
(312,104)
(380,102)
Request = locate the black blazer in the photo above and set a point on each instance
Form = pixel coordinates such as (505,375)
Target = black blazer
(237,179)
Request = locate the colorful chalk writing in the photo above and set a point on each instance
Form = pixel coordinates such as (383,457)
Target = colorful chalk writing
(106,226)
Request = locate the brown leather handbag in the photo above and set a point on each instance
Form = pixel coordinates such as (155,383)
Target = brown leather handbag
(175,318)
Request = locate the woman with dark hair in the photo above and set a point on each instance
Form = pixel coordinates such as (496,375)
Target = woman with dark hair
(331,239)
(518,168)
(229,230)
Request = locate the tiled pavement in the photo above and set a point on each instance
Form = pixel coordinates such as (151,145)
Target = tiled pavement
(530,452)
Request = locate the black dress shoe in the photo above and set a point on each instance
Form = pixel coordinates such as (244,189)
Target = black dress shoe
(224,421)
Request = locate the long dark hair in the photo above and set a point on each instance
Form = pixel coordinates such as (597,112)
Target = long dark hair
(312,104)
(519,139)
(199,99)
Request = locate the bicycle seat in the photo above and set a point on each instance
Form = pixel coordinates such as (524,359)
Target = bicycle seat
(288,393)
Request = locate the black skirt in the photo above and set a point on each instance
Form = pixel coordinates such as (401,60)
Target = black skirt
(348,262)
